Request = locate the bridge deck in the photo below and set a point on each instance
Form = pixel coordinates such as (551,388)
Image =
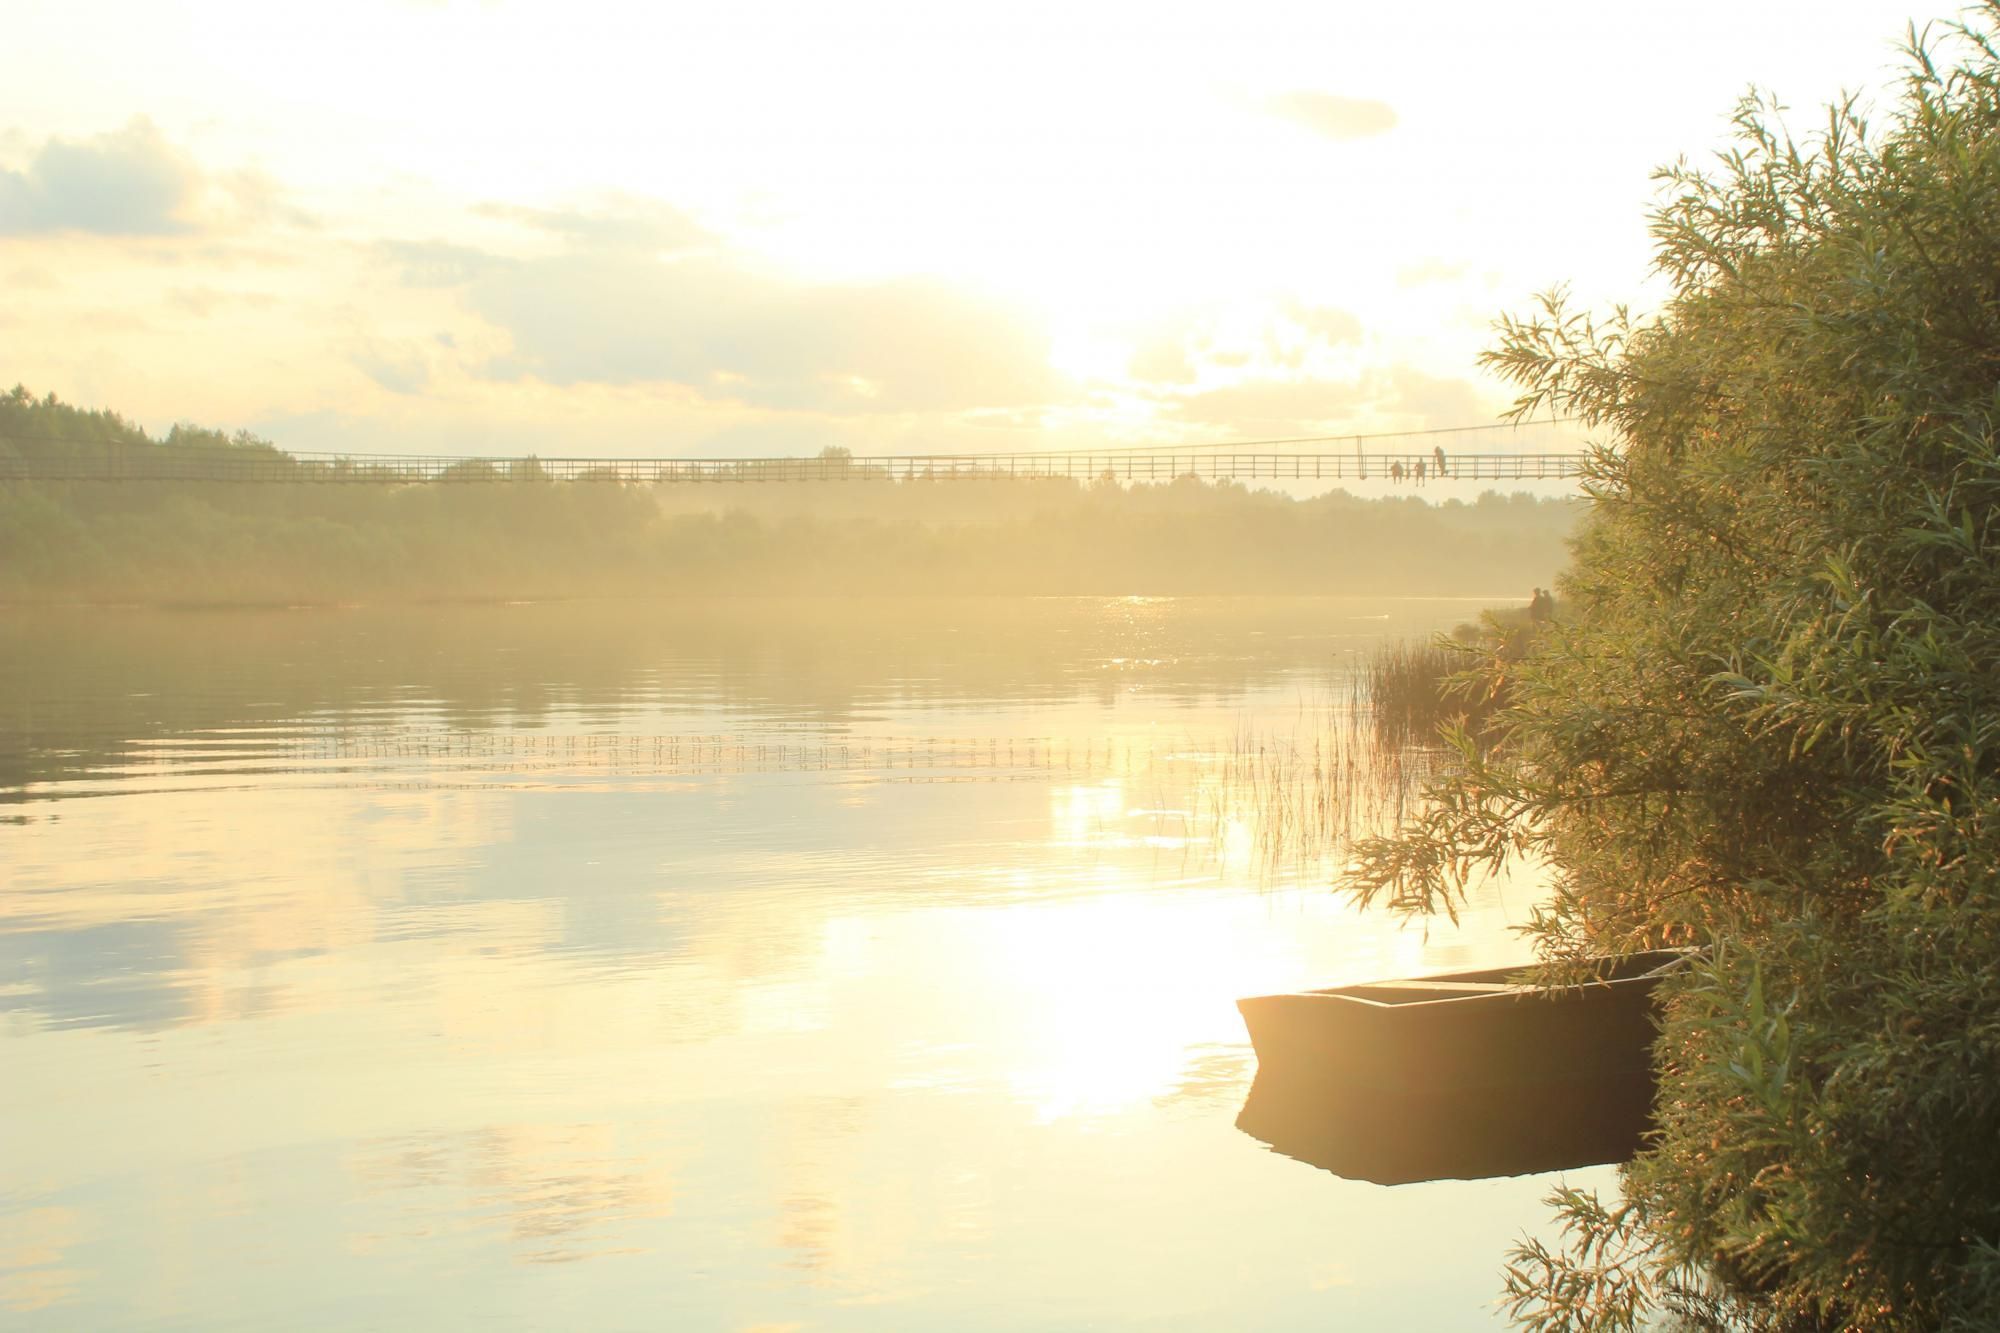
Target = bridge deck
(255,465)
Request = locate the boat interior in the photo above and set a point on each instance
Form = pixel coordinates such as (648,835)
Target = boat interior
(1502,980)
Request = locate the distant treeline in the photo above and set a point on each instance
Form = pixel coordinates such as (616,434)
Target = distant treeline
(212,543)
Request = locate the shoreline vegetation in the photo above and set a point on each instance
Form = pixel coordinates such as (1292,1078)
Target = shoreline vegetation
(1766,728)
(1307,793)
(1356,766)
(270,544)
(1413,688)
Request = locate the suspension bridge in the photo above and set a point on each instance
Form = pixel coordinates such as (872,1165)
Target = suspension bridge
(1390,457)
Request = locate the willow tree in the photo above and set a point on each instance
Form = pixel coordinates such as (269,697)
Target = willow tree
(1770,723)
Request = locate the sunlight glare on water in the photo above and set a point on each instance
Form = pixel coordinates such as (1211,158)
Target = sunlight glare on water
(771,966)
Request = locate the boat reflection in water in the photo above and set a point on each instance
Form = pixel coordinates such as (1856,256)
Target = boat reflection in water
(1462,1076)
(1395,1139)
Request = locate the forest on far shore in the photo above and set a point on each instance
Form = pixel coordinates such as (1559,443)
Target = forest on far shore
(220,543)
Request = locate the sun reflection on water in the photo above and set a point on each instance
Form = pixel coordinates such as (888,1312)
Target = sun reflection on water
(774,1033)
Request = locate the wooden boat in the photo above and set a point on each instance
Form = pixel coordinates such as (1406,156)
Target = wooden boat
(1459,1075)
(1463,1031)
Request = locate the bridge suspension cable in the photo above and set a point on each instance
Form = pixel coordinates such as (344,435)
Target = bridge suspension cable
(1267,460)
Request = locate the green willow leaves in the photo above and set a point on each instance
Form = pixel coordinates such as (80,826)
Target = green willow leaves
(1770,723)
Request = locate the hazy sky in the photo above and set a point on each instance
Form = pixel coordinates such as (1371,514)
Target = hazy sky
(770,227)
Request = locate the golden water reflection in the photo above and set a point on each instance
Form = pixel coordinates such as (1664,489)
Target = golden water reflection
(35,1242)
(735,1039)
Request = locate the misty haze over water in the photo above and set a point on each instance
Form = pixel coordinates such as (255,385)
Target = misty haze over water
(845,964)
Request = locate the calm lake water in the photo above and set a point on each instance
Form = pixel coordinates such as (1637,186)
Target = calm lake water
(831,966)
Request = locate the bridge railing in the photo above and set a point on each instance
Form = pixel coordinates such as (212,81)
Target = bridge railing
(172,464)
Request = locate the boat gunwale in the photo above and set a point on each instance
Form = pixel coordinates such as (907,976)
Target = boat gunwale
(1581,990)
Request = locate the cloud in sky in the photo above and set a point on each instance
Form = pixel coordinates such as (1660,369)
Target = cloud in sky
(617,306)
(1325,322)
(1163,359)
(131,182)
(1261,407)
(1334,117)
(134,182)
(627,224)
(398,369)
(1288,334)
(1429,271)
(1395,398)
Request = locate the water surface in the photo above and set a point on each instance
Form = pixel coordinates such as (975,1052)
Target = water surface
(776,966)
